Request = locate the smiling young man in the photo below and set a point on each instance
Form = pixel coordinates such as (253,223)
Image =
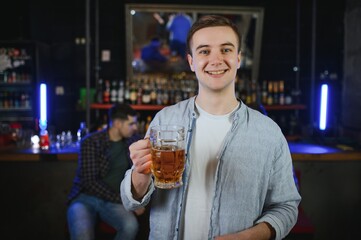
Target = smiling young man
(103,160)
(238,180)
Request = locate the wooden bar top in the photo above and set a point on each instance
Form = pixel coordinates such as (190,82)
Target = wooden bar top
(299,152)
(36,154)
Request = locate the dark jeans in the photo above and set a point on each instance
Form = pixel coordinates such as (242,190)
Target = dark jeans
(83,211)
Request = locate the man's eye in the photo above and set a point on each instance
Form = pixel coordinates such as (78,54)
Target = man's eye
(226,50)
(203,52)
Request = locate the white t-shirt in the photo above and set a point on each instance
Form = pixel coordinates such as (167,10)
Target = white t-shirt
(208,137)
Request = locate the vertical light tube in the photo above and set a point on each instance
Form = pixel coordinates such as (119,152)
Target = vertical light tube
(43,113)
(323,107)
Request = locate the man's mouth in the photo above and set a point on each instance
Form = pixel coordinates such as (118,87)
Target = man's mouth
(216,72)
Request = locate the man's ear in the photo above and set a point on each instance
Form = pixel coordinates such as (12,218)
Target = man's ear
(190,61)
(239,59)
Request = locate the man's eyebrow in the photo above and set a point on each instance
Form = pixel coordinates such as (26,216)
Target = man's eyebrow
(228,44)
(223,44)
(202,46)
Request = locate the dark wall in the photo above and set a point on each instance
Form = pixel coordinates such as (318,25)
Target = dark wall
(351,92)
(60,23)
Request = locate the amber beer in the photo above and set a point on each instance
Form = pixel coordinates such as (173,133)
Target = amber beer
(168,166)
(168,155)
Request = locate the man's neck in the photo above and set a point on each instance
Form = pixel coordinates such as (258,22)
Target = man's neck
(113,135)
(217,104)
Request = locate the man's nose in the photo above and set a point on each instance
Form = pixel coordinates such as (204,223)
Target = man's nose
(216,58)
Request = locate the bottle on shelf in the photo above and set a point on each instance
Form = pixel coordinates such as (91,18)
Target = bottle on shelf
(270,93)
(82,131)
(113,92)
(281,93)
(288,96)
(264,92)
(139,94)
(133,94)
(127,93)
(275,93)
(121,92)
(146,98)
(159,95)
(106,92)
(153,94)
(165,97)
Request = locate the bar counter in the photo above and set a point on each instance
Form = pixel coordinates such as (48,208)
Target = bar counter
(38,182)
(11,153)
(299,152)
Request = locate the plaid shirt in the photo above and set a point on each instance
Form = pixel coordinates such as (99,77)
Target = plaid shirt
(93,165)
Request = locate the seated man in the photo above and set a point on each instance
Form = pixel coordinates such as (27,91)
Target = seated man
(103,160)
(151,52)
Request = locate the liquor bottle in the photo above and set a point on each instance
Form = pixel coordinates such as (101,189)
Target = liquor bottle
(288,96)
(82,131)
(106,92)
(113,92)
(165,97)
(282,94)
(264,92)
(270,93)
(171,86)
(121,92)
(133,94)
(22,100)
(275,93)
(44,140)
(159,95)
(153,94)
(127,93)
(16,99)
(146,94)
(140,94)
(27,101)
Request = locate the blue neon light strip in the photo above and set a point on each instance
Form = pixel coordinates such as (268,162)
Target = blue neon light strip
(43,116)
(323,107)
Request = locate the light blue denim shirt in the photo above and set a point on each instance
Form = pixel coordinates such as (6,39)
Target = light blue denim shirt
(253,183)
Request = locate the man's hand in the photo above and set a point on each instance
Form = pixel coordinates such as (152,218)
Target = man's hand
(260,231)
(141,174)
(141,157)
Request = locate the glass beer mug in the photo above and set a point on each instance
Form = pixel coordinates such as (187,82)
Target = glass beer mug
(168,155)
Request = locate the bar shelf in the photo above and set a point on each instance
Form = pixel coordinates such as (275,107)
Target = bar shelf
(284,107)
(142,107)
(146,107)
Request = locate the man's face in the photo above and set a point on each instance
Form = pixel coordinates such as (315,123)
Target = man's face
(215,57)
(126,128)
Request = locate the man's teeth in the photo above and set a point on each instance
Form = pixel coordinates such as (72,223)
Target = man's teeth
(216,72)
